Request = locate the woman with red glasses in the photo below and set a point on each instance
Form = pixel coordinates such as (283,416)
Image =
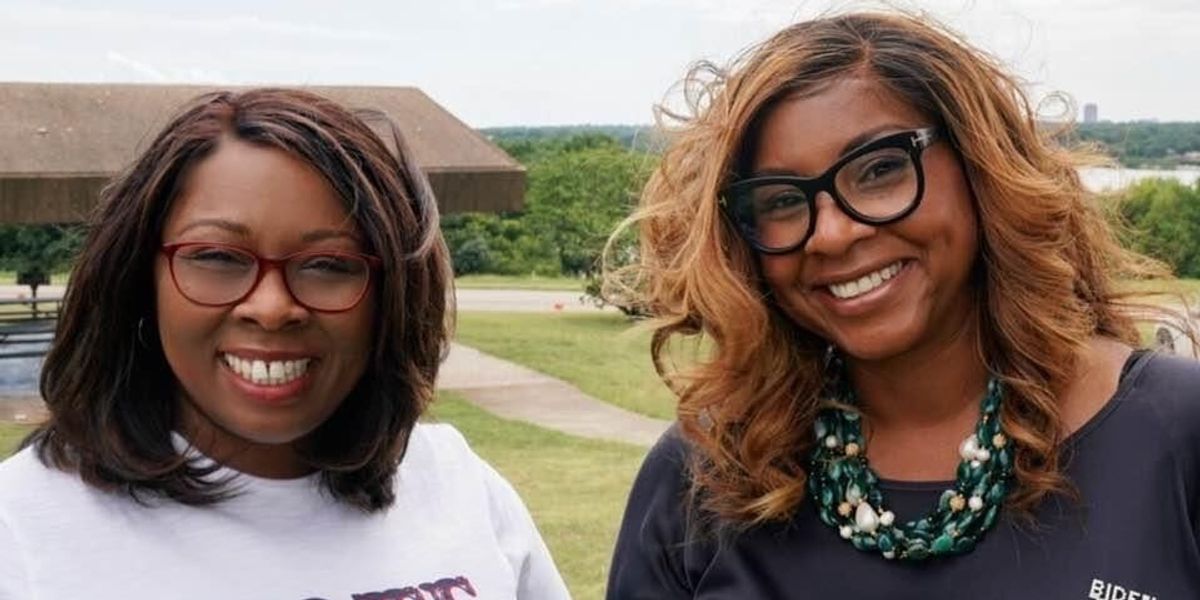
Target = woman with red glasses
(250,334)
(919,377)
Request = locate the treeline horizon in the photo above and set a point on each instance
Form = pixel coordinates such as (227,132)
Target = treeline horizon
(1133,144)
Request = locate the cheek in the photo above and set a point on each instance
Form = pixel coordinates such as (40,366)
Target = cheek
(781,273)
(782,276)
(354,333)
(183,329)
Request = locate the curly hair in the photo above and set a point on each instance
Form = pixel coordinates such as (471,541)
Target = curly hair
(110,392)
(1047,270)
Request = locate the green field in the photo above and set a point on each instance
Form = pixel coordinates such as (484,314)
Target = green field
(596,352)
(575,488)
(519,282)
(11,434)
(10,278)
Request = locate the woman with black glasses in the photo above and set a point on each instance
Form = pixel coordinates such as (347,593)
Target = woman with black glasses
(249,336)
(919,379)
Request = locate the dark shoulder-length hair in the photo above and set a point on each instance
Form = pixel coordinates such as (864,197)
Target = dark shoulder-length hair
(110,392)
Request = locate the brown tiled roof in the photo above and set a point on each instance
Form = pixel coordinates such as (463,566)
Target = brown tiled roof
(84,133)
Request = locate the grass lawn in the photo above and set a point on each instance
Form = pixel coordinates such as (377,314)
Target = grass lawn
(575,488)
(519,282)
(10,278)
(10,435)
(596,352)
(1187,287)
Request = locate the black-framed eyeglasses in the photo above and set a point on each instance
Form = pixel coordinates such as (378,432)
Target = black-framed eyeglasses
(211,274)
(877,183)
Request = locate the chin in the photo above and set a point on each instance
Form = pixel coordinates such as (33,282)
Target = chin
(874,346)
(272,433)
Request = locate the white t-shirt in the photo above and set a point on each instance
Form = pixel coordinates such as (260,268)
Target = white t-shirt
(457,530)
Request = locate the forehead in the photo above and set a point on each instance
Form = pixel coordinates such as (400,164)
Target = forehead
(806,133)
(268,191)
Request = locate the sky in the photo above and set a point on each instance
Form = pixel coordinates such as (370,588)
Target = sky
(545,62)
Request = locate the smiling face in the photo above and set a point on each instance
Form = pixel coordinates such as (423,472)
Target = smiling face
(875,292)
(260,374)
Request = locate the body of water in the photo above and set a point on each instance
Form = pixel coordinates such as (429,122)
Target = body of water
(1100,179)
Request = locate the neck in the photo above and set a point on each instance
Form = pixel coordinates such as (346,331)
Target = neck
(933,385)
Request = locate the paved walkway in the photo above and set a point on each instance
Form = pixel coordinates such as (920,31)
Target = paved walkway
(512,391)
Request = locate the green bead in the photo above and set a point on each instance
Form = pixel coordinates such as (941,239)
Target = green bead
(997,493)
(826,496)
(942,545)
(921,527)
(835,470)
(917,551)
(990,518)
(944,501)
(1005,459)
(885,543)
(963,544)
(964,471)
(864,542)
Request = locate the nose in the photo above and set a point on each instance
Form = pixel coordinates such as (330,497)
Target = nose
(270,305)
(834,232)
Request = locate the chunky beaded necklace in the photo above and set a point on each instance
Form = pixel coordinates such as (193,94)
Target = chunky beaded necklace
(847,495)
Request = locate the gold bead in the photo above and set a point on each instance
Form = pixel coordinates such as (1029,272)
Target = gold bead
(958,503)
(999,440)
(844,509)
(852,449)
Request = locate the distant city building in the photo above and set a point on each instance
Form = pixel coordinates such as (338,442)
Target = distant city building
(1091,113)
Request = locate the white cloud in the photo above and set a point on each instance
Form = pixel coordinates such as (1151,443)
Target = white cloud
(23,16)
(146,71)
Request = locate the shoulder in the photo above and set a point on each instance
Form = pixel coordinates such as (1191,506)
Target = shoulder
(24,478)
(655,556)
(1160,407)
(440,459)
(1169,386)
(438,443)
(667,462)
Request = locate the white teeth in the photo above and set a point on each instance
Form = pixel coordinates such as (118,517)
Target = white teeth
(864,284)
(260,372)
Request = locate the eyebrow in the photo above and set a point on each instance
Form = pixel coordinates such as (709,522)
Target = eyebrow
(241,230)
(854,143)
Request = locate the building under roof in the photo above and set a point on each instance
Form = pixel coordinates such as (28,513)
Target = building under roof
(59,144)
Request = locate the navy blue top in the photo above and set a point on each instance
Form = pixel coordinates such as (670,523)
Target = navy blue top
(1133,536)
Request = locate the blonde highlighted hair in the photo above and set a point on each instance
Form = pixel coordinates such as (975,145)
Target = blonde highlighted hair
(1047,271)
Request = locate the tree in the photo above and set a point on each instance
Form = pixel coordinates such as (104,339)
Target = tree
(37,251)
(1165,218)
(578,196)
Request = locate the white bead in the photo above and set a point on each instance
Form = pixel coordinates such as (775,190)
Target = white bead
(890,554)
(865,518)
(845,531)
(983,455)
(976,464)
(976,503)
(969,448)
(831,442)
(887,518)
